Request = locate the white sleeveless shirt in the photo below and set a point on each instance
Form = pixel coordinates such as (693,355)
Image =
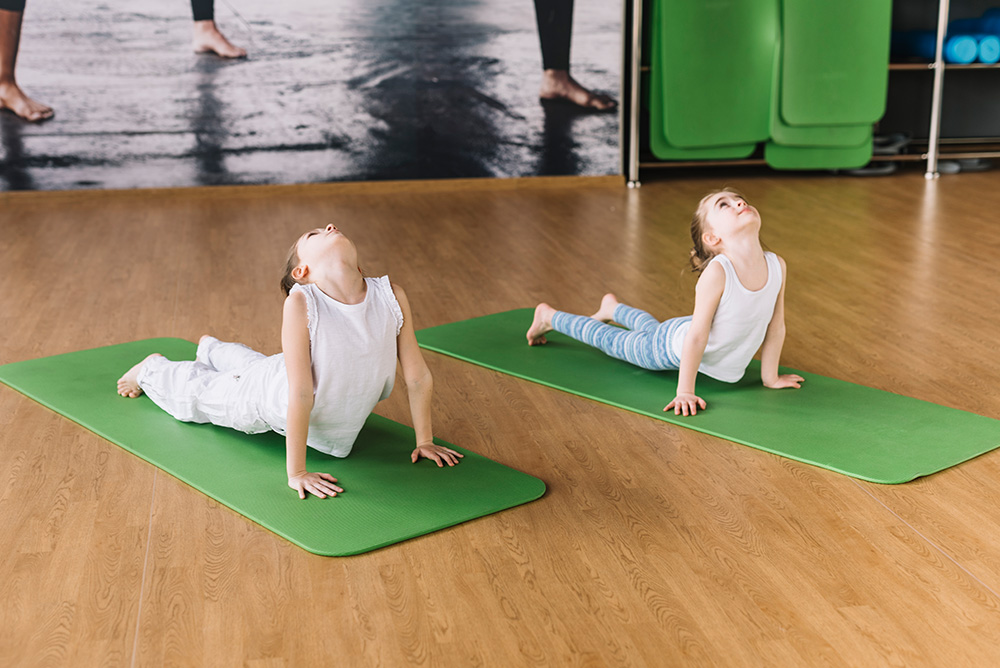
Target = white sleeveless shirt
(740,322)
(353,349)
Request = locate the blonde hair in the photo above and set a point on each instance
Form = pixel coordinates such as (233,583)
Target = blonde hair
(701,256)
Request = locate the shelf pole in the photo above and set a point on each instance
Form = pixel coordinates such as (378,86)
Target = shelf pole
(635,74)
(933,134)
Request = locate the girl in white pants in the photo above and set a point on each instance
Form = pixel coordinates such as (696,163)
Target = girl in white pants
(341,335)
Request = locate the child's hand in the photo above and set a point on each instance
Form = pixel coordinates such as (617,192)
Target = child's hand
(787,380)
(319,484)
(686,404)
(437,453)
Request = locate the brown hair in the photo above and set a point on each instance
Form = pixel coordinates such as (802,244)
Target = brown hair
(701,256)
(287,282)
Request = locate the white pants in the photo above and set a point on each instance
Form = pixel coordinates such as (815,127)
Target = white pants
(223,386)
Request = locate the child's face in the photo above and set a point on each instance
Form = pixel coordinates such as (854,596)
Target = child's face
(323,245)
(727,213)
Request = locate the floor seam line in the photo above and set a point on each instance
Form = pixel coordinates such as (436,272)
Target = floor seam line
(929,541)
(145,565)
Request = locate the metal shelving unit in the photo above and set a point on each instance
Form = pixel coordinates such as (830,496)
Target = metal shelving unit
(985,147)
(632,70)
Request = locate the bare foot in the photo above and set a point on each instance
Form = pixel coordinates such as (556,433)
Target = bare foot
(128,385)
(208,39)
(559,85)
(540,325)
(607,311)
(13,99)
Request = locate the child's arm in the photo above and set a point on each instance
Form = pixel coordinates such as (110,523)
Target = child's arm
(419,387)
(298,363)
(707,295)
(774,339)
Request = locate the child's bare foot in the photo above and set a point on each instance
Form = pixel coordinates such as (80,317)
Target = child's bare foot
(208,39)
(607,311)
(13,99)
(540,325)
(559,85)
(128,385)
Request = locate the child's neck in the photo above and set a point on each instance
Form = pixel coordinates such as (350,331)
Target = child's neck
(744,250)
(748,260)
(347,287)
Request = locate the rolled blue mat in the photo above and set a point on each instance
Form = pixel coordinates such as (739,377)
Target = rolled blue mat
(989,48)
(990,23)
(961,49)
(987,24)
(959,26)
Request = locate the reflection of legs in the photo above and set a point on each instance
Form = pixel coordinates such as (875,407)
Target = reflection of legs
(555,28)
(207,38)
(11,95)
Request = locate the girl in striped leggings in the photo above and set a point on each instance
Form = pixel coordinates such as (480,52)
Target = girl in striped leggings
(739,308)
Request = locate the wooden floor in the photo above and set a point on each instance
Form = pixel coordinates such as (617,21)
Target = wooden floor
(654,545)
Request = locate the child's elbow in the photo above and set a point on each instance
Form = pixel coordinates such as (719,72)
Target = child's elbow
(423,381)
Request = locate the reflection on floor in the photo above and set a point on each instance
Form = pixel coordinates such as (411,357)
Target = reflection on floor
(351,90)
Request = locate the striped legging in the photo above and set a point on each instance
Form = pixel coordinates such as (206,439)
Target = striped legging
(646,342)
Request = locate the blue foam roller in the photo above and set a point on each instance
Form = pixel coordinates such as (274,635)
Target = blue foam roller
(989,48)
(964,26)
(961,49)
(990,23)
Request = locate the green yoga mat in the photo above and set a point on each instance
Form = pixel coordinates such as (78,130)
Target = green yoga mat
(659,145)
(835,61)
(813,157)
(835,136)
(715,61)
(386,498)
(855,430)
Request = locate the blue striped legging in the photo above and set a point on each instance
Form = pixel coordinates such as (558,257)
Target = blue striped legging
(646,342)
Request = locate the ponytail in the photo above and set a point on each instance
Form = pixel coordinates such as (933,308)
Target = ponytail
(699,257)
(287,282)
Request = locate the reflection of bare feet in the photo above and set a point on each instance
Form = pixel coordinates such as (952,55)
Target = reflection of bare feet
(128,385)
(540,325)
(559,85)
(607,311)
(14,99)
(208,39)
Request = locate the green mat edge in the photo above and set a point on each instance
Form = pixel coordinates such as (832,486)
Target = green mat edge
(290,539)
(665,417)
(669,418)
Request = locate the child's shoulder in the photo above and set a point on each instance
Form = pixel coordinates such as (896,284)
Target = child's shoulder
(713,276)
(779,259)
(296,297)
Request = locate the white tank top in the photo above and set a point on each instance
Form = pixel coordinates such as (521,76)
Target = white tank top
(353,349)
(740,322)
